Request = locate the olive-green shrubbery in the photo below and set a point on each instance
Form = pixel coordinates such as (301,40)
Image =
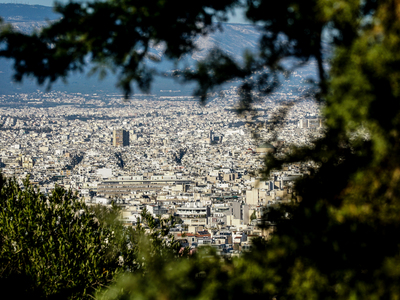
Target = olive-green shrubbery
(57,247)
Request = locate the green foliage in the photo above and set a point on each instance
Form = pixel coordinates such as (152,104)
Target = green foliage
(341,237)
(199,277)
(154,239)
(57,247)
(253,216)
(54,245)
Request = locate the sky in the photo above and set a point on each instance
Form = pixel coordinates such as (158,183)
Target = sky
(238,18)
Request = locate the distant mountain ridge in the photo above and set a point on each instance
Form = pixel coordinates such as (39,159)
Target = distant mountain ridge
(26,13)
(234,39)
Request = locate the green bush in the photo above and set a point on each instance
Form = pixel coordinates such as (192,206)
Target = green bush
(52,246)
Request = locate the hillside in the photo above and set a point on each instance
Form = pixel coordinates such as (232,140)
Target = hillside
(234,39)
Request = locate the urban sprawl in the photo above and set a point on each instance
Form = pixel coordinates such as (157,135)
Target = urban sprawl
(169,155)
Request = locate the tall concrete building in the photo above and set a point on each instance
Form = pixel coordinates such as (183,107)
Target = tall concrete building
(120,138)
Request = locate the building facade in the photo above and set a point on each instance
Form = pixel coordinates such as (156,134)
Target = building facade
(120,138)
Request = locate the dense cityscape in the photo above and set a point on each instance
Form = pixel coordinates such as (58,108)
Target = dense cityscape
(261,161)
(168,155)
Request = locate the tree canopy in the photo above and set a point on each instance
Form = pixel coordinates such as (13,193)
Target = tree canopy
(56,247)
(341,240)
(52,246)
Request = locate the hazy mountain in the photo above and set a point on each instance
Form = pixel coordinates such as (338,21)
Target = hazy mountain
(234,39)
(26,13)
